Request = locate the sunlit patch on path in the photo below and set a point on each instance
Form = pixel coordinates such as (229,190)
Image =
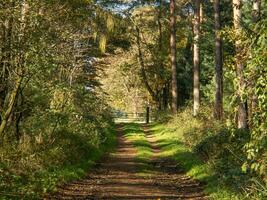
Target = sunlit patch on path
(118,176)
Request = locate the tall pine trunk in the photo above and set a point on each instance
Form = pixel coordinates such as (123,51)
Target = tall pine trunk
(173,56)
(242,122)
(196,58)
(218,107)
(162,96)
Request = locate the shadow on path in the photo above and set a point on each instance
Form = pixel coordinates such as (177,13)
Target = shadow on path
(116,177)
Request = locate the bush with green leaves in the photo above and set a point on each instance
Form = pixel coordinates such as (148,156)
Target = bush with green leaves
(221,147)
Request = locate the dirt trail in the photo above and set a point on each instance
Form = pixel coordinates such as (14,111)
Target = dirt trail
(116,178)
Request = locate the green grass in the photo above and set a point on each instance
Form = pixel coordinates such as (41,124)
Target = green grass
(172,146)
(79,170)
(135,134)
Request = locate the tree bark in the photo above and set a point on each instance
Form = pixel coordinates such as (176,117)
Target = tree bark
(242,108)
(256,6)
(173,56)
(161,96)
(201,12)
(160,25)
(18,72)
(218,108)
(196,59)
(8,112)
(165,95)
(19,114)
(5,59)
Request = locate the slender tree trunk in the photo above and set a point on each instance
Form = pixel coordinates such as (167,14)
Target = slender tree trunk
(196,58)
(201,12)
(18,72)
(160,45)
(160,25)
(3,84)
(19,114)
(8,111)
(159,97)
(5,59)
(165,96)
(218,108)
(242,108)
(173,56)
(256,6)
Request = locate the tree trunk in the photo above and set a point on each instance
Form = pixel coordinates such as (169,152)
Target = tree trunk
(160,26)
(18,72)
(6,114)
(5,59)
(19,114)
(162,95)
(218,108)
(256,6)
(173,56)
(165,95)
(196,58)
(201,12)
(242,108)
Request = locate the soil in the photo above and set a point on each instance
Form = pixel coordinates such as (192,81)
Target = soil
(117,177)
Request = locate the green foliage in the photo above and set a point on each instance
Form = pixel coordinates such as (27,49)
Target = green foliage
(256,71)
(54,52)
(31,169)
(210,152)
(253,54)
(60,123)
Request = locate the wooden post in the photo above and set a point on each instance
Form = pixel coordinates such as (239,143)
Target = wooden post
(147,114)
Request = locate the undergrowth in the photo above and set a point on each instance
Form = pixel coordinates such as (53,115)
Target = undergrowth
(210,152)
(33,168)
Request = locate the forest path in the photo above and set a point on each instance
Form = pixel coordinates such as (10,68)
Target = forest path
(122,176)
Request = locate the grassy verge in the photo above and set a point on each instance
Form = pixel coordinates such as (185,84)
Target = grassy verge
(170,141)
(135,134)
(79,170)
(78,156)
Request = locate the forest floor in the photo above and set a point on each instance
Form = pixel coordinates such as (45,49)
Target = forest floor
(135,170)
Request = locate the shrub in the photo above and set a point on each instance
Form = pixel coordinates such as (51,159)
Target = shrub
(221,147)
